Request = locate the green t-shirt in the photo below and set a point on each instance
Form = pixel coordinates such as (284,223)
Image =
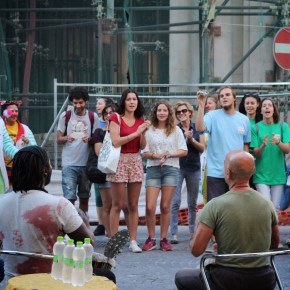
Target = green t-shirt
(252,122)
(242,223)
(270,165)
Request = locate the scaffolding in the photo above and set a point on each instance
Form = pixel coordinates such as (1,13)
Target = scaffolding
(131,42)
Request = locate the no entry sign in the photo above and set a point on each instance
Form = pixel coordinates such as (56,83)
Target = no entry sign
(281,48)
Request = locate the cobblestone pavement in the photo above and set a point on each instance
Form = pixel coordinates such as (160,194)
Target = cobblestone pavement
(156,269)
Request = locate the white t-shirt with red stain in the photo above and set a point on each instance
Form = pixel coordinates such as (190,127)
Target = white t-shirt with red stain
(31,222)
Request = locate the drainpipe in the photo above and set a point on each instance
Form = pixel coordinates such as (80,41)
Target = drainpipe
(28,61)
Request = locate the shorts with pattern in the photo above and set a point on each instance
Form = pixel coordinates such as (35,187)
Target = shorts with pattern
(130,169)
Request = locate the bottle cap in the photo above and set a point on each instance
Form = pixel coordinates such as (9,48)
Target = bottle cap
(87,240)
(79,244)
(70,241)
(60,238)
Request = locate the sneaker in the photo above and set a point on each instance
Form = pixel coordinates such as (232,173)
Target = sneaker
(174,239)
(165,246)
(149,245)
(99,231)
(134,247)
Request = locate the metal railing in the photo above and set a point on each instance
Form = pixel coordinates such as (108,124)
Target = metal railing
(279,91)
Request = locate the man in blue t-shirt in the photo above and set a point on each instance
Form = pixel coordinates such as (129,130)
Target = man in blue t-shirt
(228,130)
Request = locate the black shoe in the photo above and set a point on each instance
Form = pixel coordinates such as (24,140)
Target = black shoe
(99,231)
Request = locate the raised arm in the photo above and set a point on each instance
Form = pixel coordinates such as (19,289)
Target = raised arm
(199,121)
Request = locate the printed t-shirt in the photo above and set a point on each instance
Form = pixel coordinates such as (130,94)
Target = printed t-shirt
(35,220)
(76,153)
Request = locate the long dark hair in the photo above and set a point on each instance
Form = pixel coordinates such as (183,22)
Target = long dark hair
(139,112)
(30,166)
(242,109)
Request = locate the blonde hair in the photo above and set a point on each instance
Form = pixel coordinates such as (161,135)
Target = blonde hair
(188,106)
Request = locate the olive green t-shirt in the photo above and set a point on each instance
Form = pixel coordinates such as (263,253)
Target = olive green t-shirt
(242,223)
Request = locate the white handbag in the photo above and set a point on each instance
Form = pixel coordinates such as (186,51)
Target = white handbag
(109,155)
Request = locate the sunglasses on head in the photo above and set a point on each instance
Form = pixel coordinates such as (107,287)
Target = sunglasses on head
(251,94)
(181,111)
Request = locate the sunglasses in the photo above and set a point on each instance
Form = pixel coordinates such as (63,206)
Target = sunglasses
(108,113)
(181,111)
(251,94)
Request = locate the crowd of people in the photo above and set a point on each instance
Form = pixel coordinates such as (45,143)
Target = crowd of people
(210,153)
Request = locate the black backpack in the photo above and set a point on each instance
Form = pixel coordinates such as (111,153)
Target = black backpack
(93,173)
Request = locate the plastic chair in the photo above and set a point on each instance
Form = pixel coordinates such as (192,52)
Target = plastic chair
(271,254)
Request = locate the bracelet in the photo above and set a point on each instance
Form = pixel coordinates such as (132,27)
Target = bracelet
(128,139)
(279,142)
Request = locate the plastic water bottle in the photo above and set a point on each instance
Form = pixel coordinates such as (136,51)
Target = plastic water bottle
(78,272)
(56,269)
(88,261)
(68,261)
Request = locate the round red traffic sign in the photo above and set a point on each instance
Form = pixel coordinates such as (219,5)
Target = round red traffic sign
(281,48)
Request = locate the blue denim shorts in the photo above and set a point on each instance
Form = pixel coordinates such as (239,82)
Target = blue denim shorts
(75,182)
(157,176)
(107,184)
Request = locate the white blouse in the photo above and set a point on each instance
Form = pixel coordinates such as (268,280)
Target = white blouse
(158,142)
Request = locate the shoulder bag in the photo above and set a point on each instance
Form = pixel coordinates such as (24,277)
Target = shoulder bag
(109,155)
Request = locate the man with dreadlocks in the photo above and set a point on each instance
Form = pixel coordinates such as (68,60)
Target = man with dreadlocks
(35,217)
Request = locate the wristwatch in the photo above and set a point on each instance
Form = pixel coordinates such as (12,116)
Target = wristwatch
(169,156)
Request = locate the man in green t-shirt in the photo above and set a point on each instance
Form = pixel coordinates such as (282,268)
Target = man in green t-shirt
(242,221)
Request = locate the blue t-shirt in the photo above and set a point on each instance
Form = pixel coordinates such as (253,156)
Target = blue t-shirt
(226,133)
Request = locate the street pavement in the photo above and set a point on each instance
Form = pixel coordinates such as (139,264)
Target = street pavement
(156,269)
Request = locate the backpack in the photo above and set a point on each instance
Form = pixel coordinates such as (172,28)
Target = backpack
(68,115)
(93,173)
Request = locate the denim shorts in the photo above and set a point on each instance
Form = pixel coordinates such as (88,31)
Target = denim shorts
(107,184)
(75,182)
(157,176)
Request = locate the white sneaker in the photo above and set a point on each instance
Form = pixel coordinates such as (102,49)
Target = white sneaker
(134,247)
